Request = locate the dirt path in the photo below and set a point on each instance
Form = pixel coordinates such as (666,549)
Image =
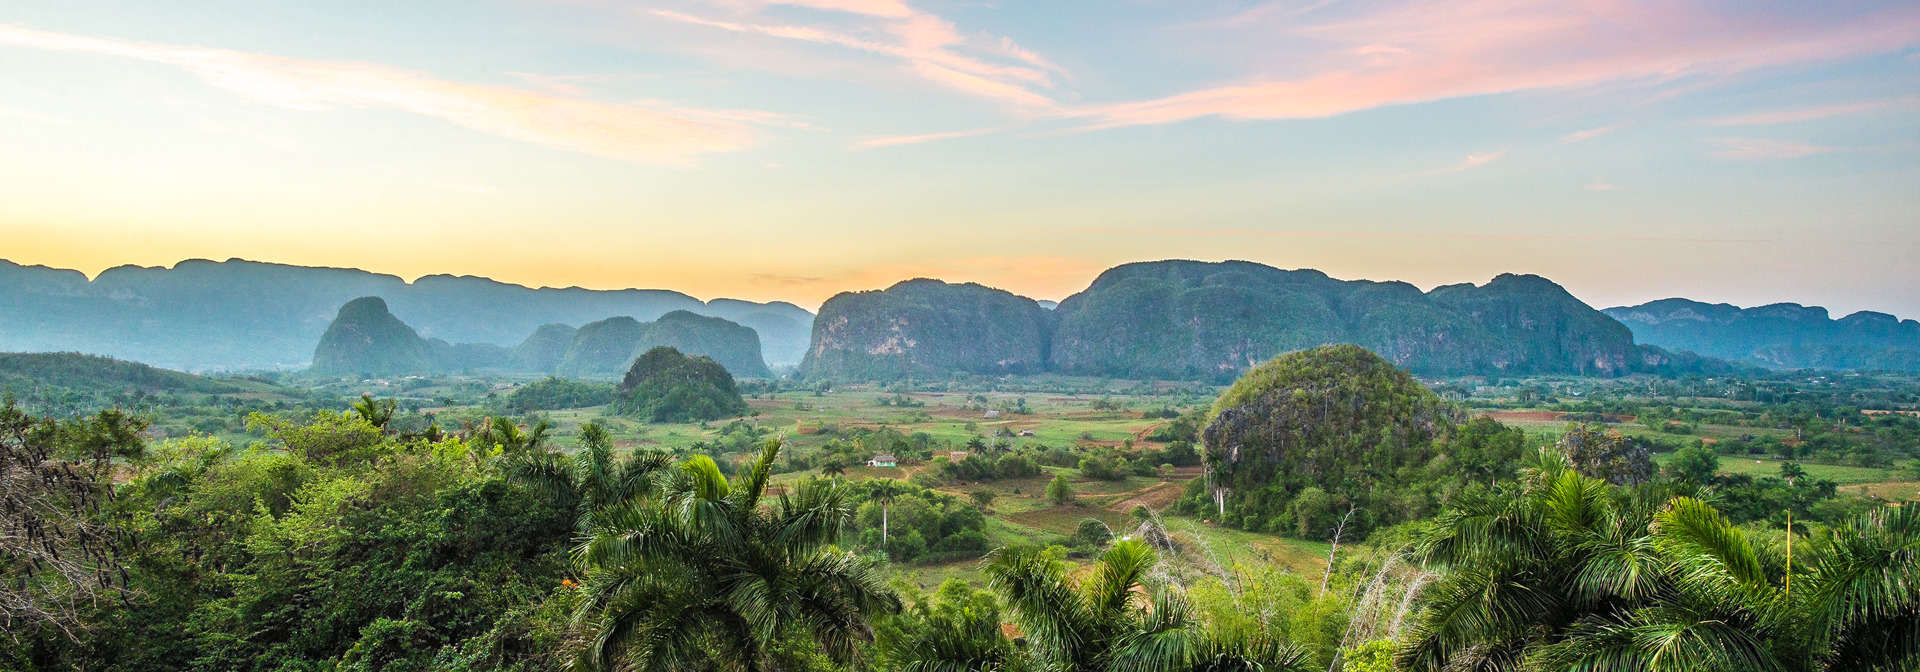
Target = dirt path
(1142,435)
(1154,497)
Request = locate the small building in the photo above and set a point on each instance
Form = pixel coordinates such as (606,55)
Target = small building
(883,460)
(1026,433)
(956,455)
(992,414)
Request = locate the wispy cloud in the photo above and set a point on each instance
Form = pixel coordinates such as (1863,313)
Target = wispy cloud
(926,45)
(1602,186)
(656,133)
(1459,48)
(1807,113)
(887,8)
(1748,149)
(1592,133)
(894,140)
(1474,160)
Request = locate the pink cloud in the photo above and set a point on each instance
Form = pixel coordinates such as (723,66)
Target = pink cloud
(929,47)
(886,8)
(1747,149)
(626,132)
(1806,113)
(1480,47)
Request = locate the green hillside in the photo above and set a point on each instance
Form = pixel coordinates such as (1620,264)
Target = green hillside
(732,345)
(544,349)
(24,371)
(665,385)
(1303,441)
(366,339)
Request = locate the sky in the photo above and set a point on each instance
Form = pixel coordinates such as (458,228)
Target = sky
(1748,152)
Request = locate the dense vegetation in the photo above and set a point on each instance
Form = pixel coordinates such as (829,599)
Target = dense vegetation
(1628,528)
(556,393)
(1562,571)
(1307,438)
(666,386)
(22,372)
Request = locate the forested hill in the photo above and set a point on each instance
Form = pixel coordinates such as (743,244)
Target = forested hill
(1782,335)
(23,372)
(1191,320)
(242,314)
(923,326)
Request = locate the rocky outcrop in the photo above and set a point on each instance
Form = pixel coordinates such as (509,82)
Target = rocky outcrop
(1190,319)
(366,339)
(928,328)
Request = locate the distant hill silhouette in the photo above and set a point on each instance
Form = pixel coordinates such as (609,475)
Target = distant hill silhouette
(1782,335)
(545,349)
(240,314)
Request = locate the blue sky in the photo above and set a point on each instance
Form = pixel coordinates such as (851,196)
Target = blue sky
(1749,152)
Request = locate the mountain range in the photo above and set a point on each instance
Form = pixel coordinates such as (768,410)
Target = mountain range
(1166,319)
(237,314)
(366,339)
(1186,320)
(1780,336)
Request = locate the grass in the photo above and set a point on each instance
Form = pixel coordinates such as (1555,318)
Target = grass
(1843,475)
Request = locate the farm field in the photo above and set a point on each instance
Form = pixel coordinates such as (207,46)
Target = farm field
(1020,513)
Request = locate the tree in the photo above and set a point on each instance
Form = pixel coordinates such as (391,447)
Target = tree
(591,480)
(983,498)
(1600,453)
(1059,491)
(502,434)
(1695,464)
(884,492)
(701,576)
(61,545)
(1114,620)
(957,629)
(377,412)
(1568,572)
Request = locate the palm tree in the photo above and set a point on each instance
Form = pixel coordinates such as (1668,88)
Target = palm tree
(1570,573)
(592,479)
(702,576)
(884,492)
(1113,621)
(377,412)
(500,432)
